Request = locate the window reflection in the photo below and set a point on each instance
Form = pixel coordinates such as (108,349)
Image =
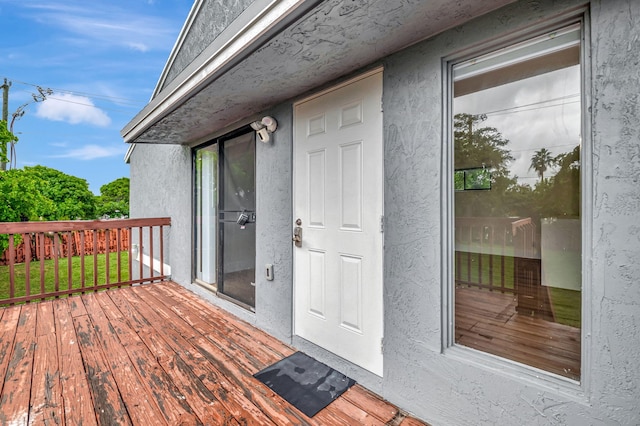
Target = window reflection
(517,121)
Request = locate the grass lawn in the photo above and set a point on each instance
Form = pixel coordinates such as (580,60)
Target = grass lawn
(76,273)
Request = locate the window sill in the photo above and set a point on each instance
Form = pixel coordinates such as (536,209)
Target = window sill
(529,376)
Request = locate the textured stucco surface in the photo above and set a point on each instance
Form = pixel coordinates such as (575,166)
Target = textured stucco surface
(447,390)
(444,386)
(212,18)
(161,187)
(334,39)
(273,228)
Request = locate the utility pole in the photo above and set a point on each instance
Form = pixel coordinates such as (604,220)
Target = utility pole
(5,118)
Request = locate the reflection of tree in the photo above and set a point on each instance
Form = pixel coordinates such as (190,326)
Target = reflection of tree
(477,147)
(561,195)
(481,147)
(486,147)
(541,161)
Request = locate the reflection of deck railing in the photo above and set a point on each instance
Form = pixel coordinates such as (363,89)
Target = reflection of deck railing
(484,253)
(66,269)
(501,254)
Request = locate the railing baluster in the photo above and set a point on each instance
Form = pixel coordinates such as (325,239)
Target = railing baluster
(95,258)
(12,273)
(151,268)
(83,242)
(119,251)
(130,266)
(161,251)
(27,264)
(56,263)
(107,244)
(140,253)
(40,240)
(69,260)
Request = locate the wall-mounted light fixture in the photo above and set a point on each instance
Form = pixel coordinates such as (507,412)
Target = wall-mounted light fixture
(265,127)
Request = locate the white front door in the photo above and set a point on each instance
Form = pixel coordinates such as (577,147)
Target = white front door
(338,190)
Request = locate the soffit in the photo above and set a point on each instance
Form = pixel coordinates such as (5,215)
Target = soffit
(334,38)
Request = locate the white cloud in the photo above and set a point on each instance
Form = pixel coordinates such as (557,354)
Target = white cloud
(107,24)
(140,47)
(73,109)
(92,152)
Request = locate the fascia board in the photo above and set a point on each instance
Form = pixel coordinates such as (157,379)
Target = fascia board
(264,17)
(193,14)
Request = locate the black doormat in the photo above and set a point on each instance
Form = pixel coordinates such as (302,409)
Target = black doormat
(305,383)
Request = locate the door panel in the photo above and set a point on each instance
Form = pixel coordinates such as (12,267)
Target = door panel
(338,189)
(238,242)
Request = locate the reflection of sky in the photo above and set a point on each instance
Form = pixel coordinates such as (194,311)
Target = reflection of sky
(534,113)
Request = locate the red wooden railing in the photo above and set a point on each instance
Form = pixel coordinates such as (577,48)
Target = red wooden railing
(95,240)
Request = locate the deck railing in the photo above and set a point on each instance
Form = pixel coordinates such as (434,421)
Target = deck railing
(487,249)
(67,257)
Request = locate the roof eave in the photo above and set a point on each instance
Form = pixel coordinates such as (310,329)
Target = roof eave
(262,20)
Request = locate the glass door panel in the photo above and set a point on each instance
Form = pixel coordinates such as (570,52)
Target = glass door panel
(237,219)
(206,173)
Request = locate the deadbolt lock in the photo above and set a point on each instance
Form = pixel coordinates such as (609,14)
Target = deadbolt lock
(297,234)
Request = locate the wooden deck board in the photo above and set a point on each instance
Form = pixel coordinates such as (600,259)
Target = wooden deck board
(76,396)
(488,321)
(153,354)
(14,401)
(46,396)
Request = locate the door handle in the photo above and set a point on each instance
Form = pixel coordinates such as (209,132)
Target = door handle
(297,234)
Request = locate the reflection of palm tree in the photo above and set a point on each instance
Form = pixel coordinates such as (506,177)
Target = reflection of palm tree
(541,161)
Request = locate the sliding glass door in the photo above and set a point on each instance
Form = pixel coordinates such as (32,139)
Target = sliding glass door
(225,203)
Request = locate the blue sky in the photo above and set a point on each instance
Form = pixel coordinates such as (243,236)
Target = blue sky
(101,58)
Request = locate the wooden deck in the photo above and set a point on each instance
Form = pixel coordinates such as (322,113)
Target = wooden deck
(151,355)
(488,321)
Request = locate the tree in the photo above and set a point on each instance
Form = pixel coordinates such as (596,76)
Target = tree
(70,196)
(113,200)
(20,200)
(541,161)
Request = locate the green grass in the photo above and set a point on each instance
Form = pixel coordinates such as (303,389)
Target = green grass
(76,274)
(566,306)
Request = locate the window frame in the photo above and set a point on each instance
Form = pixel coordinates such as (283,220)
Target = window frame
(492,363)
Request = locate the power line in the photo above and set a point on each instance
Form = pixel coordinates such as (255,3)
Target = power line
(85,104)
(93,95)
(518,108)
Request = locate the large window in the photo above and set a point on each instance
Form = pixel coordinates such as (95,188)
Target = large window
(517,139)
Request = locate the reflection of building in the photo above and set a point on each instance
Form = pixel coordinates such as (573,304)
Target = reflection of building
(381,254)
